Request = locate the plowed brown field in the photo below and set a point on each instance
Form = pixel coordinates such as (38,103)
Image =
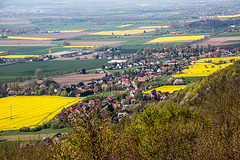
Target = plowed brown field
(25,43)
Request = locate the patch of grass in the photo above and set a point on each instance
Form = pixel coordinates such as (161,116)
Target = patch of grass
(45,131)
(233,41)
(16,135)
(189,80)
(103,94)
(26,50)
(162,80)
(120,70)
(31,50)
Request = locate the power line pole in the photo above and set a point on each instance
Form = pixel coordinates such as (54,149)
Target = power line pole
(111,90)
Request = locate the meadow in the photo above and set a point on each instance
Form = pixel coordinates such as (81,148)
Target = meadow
(7,73)
(30,111)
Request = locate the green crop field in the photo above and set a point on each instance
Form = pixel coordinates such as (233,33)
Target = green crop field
(26,69)
(233,41)
(31,50)
(230,34)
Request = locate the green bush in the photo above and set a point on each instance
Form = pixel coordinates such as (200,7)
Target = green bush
(38,128)
(25,129)
(54,126)
(60,126)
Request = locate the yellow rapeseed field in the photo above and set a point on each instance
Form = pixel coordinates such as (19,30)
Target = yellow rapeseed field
(168,63)
(78,46)
(177,38)
(31,111)
(200,68)
(2,51)
(125,25)
(31,38)
(169,89)
(152,27)
(123,32)
(19,56)
(227,16)
(216,60)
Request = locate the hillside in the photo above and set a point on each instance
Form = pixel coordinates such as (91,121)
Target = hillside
(199,122)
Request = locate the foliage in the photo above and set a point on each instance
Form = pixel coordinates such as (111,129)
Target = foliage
(199,122)
(92,139)
(24,151)
(38,74)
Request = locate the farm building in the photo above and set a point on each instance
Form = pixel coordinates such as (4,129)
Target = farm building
(62,54)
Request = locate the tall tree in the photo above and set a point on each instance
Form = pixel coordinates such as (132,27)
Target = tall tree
(38,74)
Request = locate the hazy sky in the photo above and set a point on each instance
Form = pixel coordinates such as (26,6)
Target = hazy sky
(41,5)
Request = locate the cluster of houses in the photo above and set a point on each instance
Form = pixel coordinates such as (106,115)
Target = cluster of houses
(121,105)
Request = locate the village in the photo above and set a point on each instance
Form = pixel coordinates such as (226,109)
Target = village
(125,81)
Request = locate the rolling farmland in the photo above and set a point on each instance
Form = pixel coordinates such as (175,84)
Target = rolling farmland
(31,111)
(123,32)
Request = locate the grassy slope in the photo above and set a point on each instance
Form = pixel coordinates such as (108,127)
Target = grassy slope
(201,118)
